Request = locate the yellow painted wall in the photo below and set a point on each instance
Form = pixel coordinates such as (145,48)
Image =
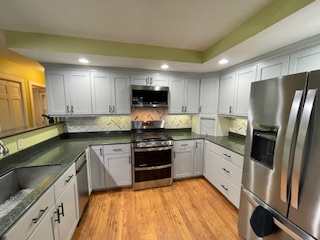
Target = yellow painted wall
(21,71)
(32,138)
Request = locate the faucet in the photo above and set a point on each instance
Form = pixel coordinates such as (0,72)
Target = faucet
(3,149)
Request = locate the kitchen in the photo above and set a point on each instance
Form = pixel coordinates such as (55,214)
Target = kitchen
(181,116)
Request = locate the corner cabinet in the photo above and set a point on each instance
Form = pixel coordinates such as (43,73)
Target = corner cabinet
(110,93)
(235,91)
(69,92)
(184,95)
(209,95)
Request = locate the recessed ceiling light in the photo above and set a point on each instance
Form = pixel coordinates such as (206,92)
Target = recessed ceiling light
(164,66)
(223,61)
(83,60)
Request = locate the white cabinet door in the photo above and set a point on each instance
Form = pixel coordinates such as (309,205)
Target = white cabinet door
(160,80)
(100,89)
(89,170)
(120,93)
(45,228)
(80,93)
(183,155)
(192,87)
(198,158)
(118,170)
(273,68)
(206,158)
(244,78)
(226,94)
(67,205)
(97,168)
(57,92)
(176,95)
(304,60)
(209,95)
(140,79)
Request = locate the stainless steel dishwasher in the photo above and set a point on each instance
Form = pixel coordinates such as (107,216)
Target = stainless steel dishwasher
(82,181)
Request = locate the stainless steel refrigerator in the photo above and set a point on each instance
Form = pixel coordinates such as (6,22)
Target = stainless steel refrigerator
(282,157)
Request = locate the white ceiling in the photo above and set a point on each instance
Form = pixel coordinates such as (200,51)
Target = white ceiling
(170,23)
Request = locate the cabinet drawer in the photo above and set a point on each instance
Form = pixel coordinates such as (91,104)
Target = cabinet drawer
(228,155)
(183,144)
(117,148)
(28,222)
(65,179)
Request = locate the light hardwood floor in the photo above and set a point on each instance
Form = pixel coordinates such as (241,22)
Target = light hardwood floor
(189,209)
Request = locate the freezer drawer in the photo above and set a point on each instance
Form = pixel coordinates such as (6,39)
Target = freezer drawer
(285,230)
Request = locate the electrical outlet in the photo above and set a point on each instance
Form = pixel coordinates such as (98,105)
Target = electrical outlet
(20,143)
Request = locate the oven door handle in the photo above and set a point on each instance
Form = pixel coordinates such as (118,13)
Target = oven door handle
(153,168)
(156,149)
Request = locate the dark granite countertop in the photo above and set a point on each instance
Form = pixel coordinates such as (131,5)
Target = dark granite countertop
(65,151)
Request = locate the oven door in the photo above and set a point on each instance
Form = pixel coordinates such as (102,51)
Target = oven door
(150,157)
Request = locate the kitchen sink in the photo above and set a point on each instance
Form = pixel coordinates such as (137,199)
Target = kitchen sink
(18,183)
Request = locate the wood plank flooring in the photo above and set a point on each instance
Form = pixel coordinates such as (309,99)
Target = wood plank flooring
(189,209)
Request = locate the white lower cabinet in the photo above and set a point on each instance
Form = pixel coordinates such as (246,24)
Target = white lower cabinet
(187,158)
(223,168)
(54,216)
(110,166)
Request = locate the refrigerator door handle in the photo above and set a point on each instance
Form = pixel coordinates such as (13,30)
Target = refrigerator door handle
(301,144)
(296,102)
(276,221)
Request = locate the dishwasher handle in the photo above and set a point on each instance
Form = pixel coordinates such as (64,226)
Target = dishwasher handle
(82,166)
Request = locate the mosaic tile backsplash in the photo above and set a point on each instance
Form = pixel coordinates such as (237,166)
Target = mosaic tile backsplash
(238,126)
(123,123)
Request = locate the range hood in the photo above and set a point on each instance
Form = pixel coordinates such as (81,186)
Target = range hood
(149,96)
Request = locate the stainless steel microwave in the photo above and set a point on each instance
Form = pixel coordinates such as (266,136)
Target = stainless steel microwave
(149,96)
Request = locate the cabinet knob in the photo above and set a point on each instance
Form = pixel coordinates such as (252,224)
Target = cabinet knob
(110,109)
(185,108)
(147,80)
(71,108)
(182,109)
(151,80)
(113,109)
(199,109)
(68,109)
(230,109)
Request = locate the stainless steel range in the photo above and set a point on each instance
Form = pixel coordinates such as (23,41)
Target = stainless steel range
(151,155)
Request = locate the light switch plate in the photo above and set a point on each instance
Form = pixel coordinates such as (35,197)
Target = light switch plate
(20,143)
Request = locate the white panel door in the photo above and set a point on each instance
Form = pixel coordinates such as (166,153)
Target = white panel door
(305,60)
(226,94)
(80,92)
(118,170)
(176,89)
(183,163)
(244,78)
(120,93)
(101,89)
(160,80)
(140,79)
(57,92)
(198,158)
(192,88)
(209,95)
(97,168)
(273,68)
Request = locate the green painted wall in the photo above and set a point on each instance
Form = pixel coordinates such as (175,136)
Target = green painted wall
(34,137)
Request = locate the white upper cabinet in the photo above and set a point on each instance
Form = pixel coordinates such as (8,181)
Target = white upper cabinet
(226,94)
(57,89)
(244,78)
(304,60)
(184,95)
(151,80)
(209,95)
(273,68)
(110,93)
(69,92)
(235,91)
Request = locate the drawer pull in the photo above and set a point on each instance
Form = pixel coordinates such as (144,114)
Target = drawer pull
(227,171)
(58,214)
(117,150)
(224,188)
(42,211)
(62,209)
(227,155)
(69,178)
(184,145)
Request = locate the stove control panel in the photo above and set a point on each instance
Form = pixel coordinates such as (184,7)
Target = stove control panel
(153,144)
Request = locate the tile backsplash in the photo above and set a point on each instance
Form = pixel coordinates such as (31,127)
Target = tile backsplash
(123,123)
(238,126)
